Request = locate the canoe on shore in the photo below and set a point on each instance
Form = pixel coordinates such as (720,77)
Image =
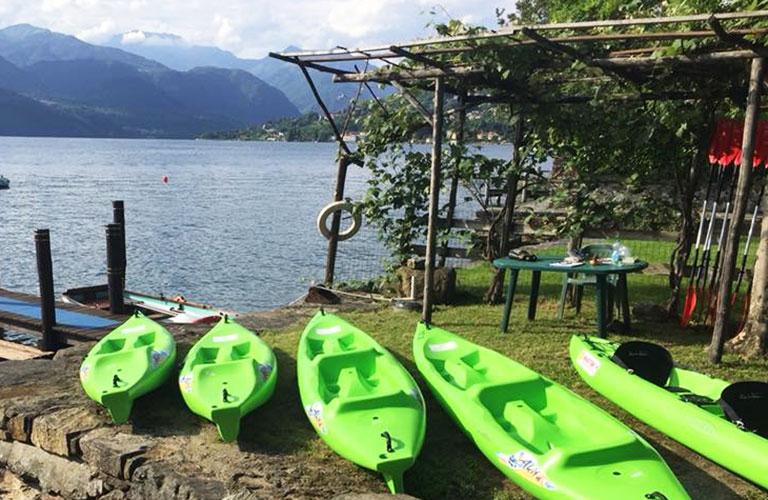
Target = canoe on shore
(727,423)
(133,359)
(227,374)
(176,309)
(359,398)
(545,438)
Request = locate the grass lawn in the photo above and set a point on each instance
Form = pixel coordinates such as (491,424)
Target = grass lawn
(450,466)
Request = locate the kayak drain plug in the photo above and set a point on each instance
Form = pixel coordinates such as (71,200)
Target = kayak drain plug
(388,437)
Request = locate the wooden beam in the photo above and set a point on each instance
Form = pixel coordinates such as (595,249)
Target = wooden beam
(512,30)
(736,40)
(386,76)
(454,189)
(308,64)
(652,62)
(417,57)
(731,245)
(434,200)
(415,104)
(576,39)
(324,108)
(14,351)
(575,54)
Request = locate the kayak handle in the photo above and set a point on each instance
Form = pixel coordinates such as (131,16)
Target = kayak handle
(656,495)
(115,380)
(388,437)
(224,395)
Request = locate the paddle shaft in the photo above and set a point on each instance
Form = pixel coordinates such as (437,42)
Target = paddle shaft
(707,244)
(698,243)
(746,248)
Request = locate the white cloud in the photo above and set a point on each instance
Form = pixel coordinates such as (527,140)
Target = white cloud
(251,28)
(98,33)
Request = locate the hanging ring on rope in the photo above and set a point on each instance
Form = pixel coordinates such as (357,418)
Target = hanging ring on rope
(338,206)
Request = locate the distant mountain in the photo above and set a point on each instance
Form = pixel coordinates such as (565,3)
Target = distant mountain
(108,92)
(25,45)
(176,53)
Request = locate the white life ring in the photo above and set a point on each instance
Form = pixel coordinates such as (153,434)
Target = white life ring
(338,206)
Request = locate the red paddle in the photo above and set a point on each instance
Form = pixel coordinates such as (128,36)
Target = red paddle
(690,294)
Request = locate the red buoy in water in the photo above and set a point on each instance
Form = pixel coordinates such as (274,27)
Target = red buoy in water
(165,179)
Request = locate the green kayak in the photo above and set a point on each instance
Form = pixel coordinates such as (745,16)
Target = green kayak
(133,359)
(548,440)
(727,423)
(227,374)
(360,400)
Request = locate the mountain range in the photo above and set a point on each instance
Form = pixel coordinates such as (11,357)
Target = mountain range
(176,53)
(53,84)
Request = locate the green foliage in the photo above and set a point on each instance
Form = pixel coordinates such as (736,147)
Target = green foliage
(307,127)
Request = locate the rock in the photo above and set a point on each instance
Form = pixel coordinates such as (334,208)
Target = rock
(55,474)
(373,496)
(445,283)
(416,263)
(647,311)
(110,451)
(321,295)
(154,481)
(57,432)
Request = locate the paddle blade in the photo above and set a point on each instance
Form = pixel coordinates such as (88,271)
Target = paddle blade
(689,306)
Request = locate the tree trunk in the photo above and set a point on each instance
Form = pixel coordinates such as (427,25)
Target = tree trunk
(752,342)
(495,292)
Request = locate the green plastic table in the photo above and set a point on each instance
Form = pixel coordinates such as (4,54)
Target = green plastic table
(600,271)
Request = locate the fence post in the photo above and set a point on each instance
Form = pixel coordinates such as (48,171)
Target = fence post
(47,299)
(115,273)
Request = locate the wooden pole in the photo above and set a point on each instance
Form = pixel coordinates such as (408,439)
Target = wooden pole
(115,273)
(47,300)
(453,193)
(118,217)
(739,209)
(434,200)
(333,241)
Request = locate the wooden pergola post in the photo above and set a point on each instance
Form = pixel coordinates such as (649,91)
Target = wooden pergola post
(739,209)
(434,199)
(333,241)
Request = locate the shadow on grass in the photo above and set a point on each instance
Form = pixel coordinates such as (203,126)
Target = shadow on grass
(163,412)
(280,425)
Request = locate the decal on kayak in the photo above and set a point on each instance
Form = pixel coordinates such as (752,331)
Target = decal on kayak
(225,338)
(589,362)
(134,329)
(85,371)
(185,383)
(445,346)
(328,331)
(527,466)
(265,369)
(158,357)
(315,414)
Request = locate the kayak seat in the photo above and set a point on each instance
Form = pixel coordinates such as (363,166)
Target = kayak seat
(461,374)
(204,356)
(111,345)
(746,405)
(145,339)
(648,361)
(529,425)
(352,383)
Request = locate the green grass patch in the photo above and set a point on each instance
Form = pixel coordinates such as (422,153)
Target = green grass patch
(450,466)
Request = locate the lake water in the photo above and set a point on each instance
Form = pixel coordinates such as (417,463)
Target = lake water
(234,226)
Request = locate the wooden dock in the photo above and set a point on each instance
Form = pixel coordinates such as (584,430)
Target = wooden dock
(68,333)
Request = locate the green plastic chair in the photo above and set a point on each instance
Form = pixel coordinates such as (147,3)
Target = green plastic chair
(579,280)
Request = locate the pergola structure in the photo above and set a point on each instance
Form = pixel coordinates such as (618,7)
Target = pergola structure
(623,60)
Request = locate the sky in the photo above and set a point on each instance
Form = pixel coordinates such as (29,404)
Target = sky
(251,28)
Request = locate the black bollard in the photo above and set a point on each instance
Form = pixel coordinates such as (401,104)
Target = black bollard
(115,271)
(118,217)
(47,299)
